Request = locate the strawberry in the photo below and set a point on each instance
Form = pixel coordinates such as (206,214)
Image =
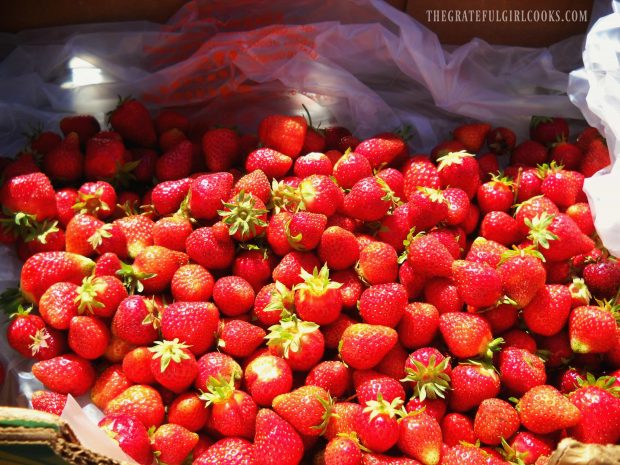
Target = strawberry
(419,171)
(429,257)
(188,411)
(500,227)
(467,335)
(528,447)
(458,205)
(548,311)
(318,299)
(31,194)
(221,148)
(420,438)
(429,371)
(342,450)
(543,409)
(136,319)
(132,121)
(312,163)
(288,271)
(272,301)
(599,404)
(168,195)
(350,168)
(65,374)
(459,169)
(276,441)
(378,263)
(172,443)
(211,247)
(110,383)
(42,270)
(233,412)
(320,194)
(96,198)
(254,266)
(581,214)
(100,296)
(65,162)
(137,366)
(566,154)
(592,329)
(378,425)
(227,451)
(245,215)
(138,229)
(239,338)
(283,133)
(362,345)
(427,208)
(562,187)
(48,401)
(383,304)
(307,409)
(207,193)
(370,384)
(446,147)
(488,164)
(602,278)
(547,130)
(495,195)
(217,365)
(520,370)
(501,140)
(88,336)
(529,153)
(596,158)
(195,323)
(159,263)
(272,163)
(495,419)
(457,428)
(172,232)
(472,136)
(255,183)
(266,377)
(537,206)
(106,158)
(381,149)
(338,248)
(522,275)
(299,342)
(233,295)
(130,434)
(333,376)
(418,325)
(471,384)
(351,289)
(84,233)
(370,199)
(173,365)
(85,126)
(305,229)
(28,335)
(443,294)
(478,284)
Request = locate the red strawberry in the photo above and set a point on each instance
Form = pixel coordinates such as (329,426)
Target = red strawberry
(288,271)
(547,130)
(472,136)
(48,401)
(382,148)
(599,404)
(307,409)
(592,329)
(543,409)
(173,366)
(419,171)
(131,436)
(271,162)
(459,169)
(596,158)
(137,366)
(548,311)
(420,438)
(138,229)
(110,383)
(458,205)
(430,372)
(221,148)
(211,247)
(529,153)
(283,133)
(338,248)
(216,365)
(28,335)
(446,147)
(495,195)
(333,376)
(318,299)
(266,377)
(383,304)
(457,428)
(478,284)
(320,194)
(172,443)
(255,183)
(188,411)
(471,384)
(305,230)
(522,275)
(362,345)
(520,370)
(245,215)
(429,257)
(65,162)
(276,441)
(239,338)
(369,199)
(378,427)
(65,374)
(566,154)
(312,163)
(495,419)
(228,451)
(136,319)
(233,295)
(106,158)
(141,401)
(31,194)
(342,450)
(100,295)
(132,121)
(378,263)
(603,278)
(299,342)
(350,168)
(443,294)
(488,164)
(88,336)
(467,335)
(159,263)
(581,214)
(500,227)
(207,193)
(419,325)
(168,195)
(501,140)
(195,323)
(254,266)
(528,447)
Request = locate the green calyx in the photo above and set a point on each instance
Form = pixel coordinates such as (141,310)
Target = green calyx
(520,252)
(501,178)
(39,341)
(241,215)
(542,171)
(539,230)
(153,317)
(288,334)
(579,290)
(317,283)
(328,405)
(87,294)
(511,455)
(132,279)
(606,383)
(219,390)
(26,226)
(431,380)
(381,406)
(90,203)
(287,198)
(13,302)
(169,351)
(96,239)
(452,158)
(389,193)
(282,299)
(434,195)
(494,346)
(536,120)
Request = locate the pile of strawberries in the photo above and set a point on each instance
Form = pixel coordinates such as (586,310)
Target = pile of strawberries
(306,296)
